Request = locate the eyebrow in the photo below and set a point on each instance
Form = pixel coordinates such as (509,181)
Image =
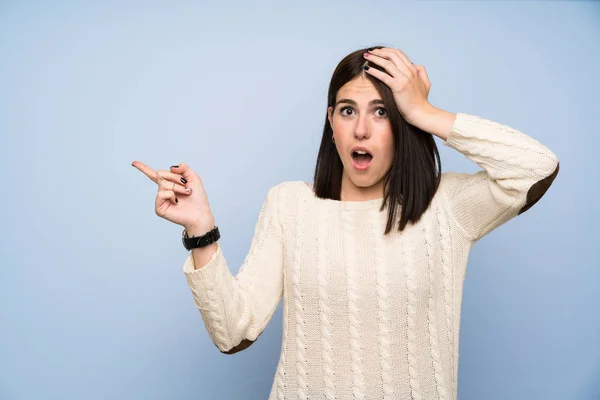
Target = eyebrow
(352,102)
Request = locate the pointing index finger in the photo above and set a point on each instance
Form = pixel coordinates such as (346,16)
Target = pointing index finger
(146,170)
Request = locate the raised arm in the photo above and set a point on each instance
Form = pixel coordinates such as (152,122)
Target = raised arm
(516,172)
(236,309)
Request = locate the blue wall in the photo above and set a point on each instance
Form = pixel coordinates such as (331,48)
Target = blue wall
(93,301)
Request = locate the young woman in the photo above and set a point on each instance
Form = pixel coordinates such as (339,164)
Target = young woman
(371,260)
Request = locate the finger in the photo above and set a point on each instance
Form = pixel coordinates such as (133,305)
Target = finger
(406,60)
(400,59)
(393,58)
(170,181)
(184,170)
(166,195)
(382,76)
(146,170)
(174,187)
(423,75)
(385,63)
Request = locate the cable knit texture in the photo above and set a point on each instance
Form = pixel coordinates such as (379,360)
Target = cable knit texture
(368,315)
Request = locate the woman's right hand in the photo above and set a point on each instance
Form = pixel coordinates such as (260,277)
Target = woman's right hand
(182,201)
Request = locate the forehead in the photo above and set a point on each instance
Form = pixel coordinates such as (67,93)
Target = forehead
(359,87)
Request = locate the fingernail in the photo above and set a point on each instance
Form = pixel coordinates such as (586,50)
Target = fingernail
(366,67)
(188,190)
(183,181)
(371,48)
(174,166)
(366,54)
(176,200)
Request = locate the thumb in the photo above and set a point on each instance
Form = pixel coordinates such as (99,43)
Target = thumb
(423,75)
(184,170)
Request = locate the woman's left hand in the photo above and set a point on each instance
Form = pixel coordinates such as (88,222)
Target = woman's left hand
(409,83)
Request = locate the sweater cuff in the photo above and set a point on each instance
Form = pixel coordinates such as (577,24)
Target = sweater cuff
(207,274)
(460,130)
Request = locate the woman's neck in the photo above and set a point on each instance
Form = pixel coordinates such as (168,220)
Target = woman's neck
(352,192)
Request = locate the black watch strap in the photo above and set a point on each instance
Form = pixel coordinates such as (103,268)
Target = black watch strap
(200,241)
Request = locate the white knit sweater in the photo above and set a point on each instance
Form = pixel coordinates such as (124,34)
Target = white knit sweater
(368,316)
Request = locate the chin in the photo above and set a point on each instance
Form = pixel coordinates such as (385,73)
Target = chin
(364,181)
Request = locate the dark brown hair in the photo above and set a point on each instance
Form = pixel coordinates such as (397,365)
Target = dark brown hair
(413,178)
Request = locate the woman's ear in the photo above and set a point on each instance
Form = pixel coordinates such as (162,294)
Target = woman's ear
(330,115)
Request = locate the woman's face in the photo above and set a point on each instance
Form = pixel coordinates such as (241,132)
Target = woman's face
(363,138)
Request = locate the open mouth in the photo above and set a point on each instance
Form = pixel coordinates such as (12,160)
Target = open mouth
(361,158)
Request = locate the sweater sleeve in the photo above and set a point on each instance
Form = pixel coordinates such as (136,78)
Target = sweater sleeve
(236,309)
(517,172)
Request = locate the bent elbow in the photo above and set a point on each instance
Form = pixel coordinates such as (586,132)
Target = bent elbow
(243,345)
(538,189)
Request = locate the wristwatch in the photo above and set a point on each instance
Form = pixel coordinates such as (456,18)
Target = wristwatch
(195,242)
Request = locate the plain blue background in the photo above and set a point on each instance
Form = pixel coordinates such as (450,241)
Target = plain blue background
(93,300)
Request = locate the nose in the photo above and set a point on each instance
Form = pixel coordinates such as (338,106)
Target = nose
(361,130)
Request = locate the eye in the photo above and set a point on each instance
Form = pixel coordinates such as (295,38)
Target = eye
(381,112)
(344,109)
